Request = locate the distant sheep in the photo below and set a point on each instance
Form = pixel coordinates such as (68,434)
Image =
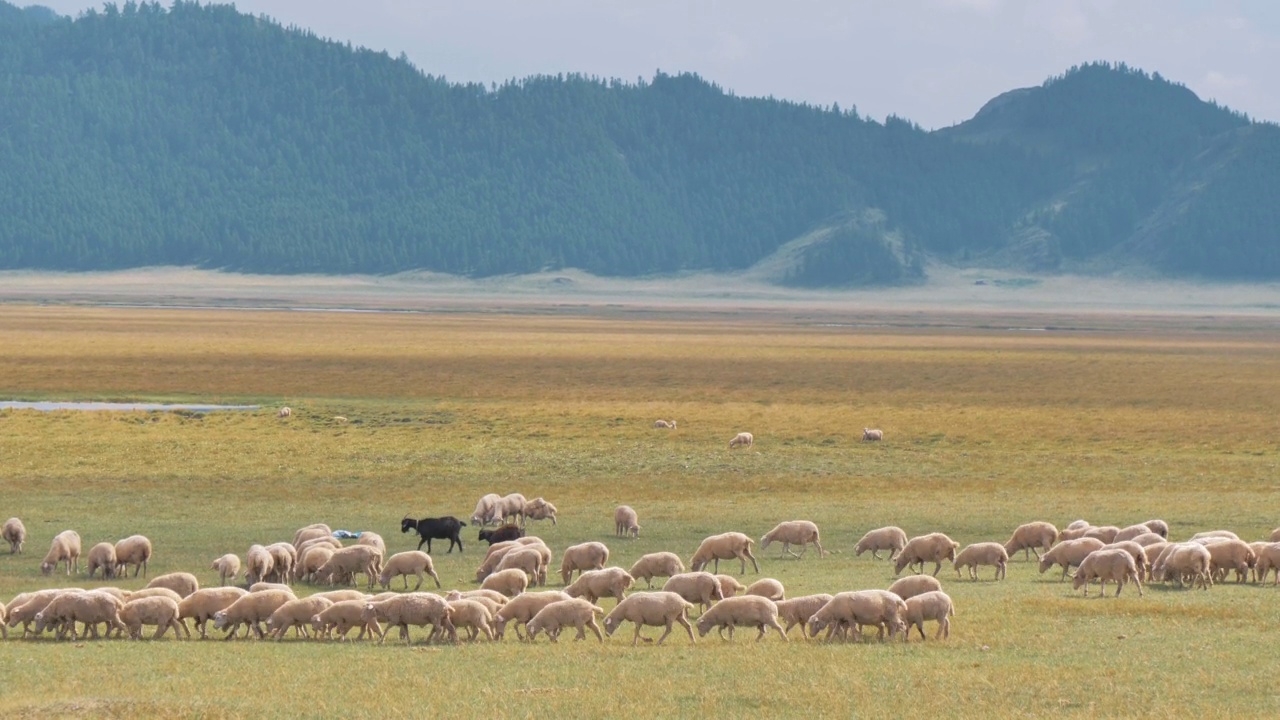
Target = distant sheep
(724,546)
(853,610)
(1069,554)
(625,522)
(102,556)
(250,610)
(183,583)
(651,608)
(345,564)
(582,557)
(419,609)
(341,617)
(202,605)
(511,508)
(1107,533)
(539,509)
(404,564)
(1032,537)
(311,560)
(872,435)
(1131,532)
(729,585)
(509,582)
(767,587)
(1231,555)
(1184,562)
(134,550)
(659,564)
(747,611)
(228,566)
(794,532)
(65,548)
(934,547)
(295,614)
(912,585)
(373,539)
(259,564)
(889,538)
(14,533)
(576,613)
(523,608)
(933,605)
(983,553)
(701,588)
(797,611)
(487,510)
(473,615)
(664,424)
(596,584)
(285,412)
(283,557)
(162,612)
(1215,534)
(1107,564)
(1158,527)
(742,439)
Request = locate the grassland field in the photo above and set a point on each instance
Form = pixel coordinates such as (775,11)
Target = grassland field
(985,429)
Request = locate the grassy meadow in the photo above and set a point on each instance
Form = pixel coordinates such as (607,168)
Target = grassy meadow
(985,429)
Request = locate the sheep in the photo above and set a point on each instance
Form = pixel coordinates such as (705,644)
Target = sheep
(724,546)
(1273,537)
(486,510)
(441,528)
(511,508)
(1106,533)
(412,562)
(319,531)
(701,588)
(296,614)
(582,557)
(285,412)
(748,611)
(497,551)
(575,613)
(1030,538)
(523,608)
(888,538)
(134,550)
(526,559)
(325,542)
(527,544)
(767,587)
(148,592)
(1146,539)
(540,509)
(1185,561)
(983,553)
(202,605)
(797,611)
(742,439)
(1107,564)
(14,533)
(342,616)
(509,582)
(64,548)
(474,615)
(729,585)
(1215,534)
(1074,533)
(857,608)
(250,610)
(259,563)
(933,605)
(228,566)
(651,608)
(311,560)
(1078,525)
(1069,554)
(793,532)
(182,583)
(595,584)
(492,596)
(872,435)
(659,564)
(159,611)
(1132,532)
(664,424)
(625,522)
(265,586)
(502,534)
(1268,559)
(23,608)
(102,555)
(1257,548)
(416,608)
(1158,527)
(1231,555)
(912,585)
(373,539)
(934,547)
(1153,553)
(283,557)
(345,564)
(89,608)
(1136,551)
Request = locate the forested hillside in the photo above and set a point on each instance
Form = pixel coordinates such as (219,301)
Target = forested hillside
(197,135)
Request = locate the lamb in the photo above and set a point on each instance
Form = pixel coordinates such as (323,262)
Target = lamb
(1216,534)
(724,547)
(872,435)
(651,608)
(582,557)
(182,583)
(250,610)
(474,615)
(794,532)
(285,412)
(888,538)
(797,611)
(1231,555)
(509,582)
(1032,537)
(102,555)
(701,588)
(228,566)
(259,563)
(1106,533)
(912,585)
(486,510)
(523,608)
(345,564)
(417,608)
(729,585)
(855,609)
(1069,554)
(373,539)
(595,584)
(413,562)
(134,550)
(626,522)
(767,587)
(159,611)
(934,547)
(540,509)
(664,424)
(659,564)
(742,439)
(933,605)
(311,560)
(342,616)
(14,533)
(296,614)
(1158,527)
(202,605)
(64,548)
(983,553)
(575,613)
(748,611)
(1185,561)
(1107,564)
(502,534)
(283,557)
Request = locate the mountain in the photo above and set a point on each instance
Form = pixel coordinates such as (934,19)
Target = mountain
(198,135)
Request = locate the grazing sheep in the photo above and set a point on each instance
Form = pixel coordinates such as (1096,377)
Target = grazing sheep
(502,534)
(326,542)
(767,587)
(285,412)
(1185,562)
(544,555)
(1107,564)
(88,608)
(526,559)
(1158,527)
(416,608)
(888,538)
(595,584)
(412,562)
(283,557)
(202,605)
(934,547)
(15,533)
(1273,537)
(497,551)
(651,608)
(295,614)
(1231,555)
(1146,539)
(748,611)
(162,612)
(64,548)
(523,608)
(1106,533)
(794,532)
(1069,554)
(319,531)
(742,439)
(1132,532)
(102,555)
(490,597)
(625,522)
(148,592)
(23,608)
(183,583)
(983,553)
(729,585)
(540,509)
(373,539)
(1136,551)
(1257,548)
(441,528)
(259,563)
(664,424)
(701,588)
(228,566)
(575,613)
(724,546)
(797,611)
(1031,538)
(872,435)
(1154,552)
(933,605)
(1268,555)
(1079,525)
(342,616)
(583,557)
(855,609)
(1074,533)
(250,610)
(134,550)
(1215,534)
(343,566)
(265,586)
(487,510)
(472,614)
(509,582)
(311,560)
(659,564)
(912,585)
(512,507)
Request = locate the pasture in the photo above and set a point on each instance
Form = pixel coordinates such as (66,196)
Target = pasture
(1117,421)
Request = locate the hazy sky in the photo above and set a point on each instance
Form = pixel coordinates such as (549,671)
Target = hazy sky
(932,61)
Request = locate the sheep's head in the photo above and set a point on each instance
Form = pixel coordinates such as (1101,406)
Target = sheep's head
(901,563)
(47,567)
(704,625)
(1045,563)
(1078,580)
(610,624)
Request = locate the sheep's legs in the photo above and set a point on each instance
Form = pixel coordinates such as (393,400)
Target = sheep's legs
(936,568)
(665,634)
(687,627)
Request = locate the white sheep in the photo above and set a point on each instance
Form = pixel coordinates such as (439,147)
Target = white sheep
(258,563)
(794,532)
(797,611)
(872,435)
(767,587)
(416,608)
(729,585)
(1158,527)
(933,605)
(582,557)
(228,566)
(1031,538)
(265,586)
(724,546)
(1131,532)
(342,616)
(912,585)
(283,557)
(487,510)
(14,533)
(1135,550)
(539,509)
(250,610)
(701,588)
(595,584)
(742,439)
(285,412)
(664,424)
(1231,555)
(853,610)
(297,614)
(511,508)
(183,583)
(625,522)
(659,564)
(317,531)
(1078,525)
(1215,534)
(747,611)
(934,547)
(162,612)
(102,555)
(1268,560)
(22,609)
(326,541)
(576,613)
(202,605)
(983,553)
(146,593)
(343,566)
(496,552)
(473,614)
(1185,561)
(1106,533)
(65,548)
(134,550)
(88,608)
(490,595)
(527,559)
(311,560)
(889,538)
(651,608)
(373,539)
(404,564)
(509,582)
(1069,554)
(1146,539)
(1107,564)
(523,608)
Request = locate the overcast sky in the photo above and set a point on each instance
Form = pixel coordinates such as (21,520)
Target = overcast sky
(932,61)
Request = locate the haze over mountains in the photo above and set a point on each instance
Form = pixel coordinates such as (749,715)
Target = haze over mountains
(196,135)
